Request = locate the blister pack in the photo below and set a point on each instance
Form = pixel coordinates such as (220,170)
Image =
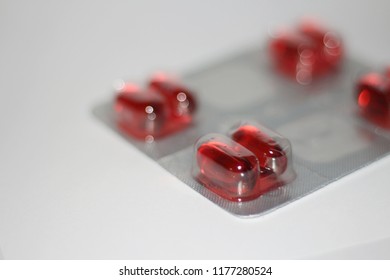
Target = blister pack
(264,127)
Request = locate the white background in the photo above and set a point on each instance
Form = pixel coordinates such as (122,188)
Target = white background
(70,188)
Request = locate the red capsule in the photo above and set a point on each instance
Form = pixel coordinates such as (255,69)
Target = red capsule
(141,114)
(373,98)
(181,99)
(307,52)
(245,166)
(328,42)
(272,157)
(163,109)
(227,168)
(293,52)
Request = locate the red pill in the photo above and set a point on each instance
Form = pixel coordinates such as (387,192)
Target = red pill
(293,53)
(227,168)
(181,99)
(163,109)
(306,52)
(249,163)
(373,98)
(272,157)
(141,114)
(328,42)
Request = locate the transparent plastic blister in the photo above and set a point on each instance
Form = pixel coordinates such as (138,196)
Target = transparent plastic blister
(247,162)
(262,137)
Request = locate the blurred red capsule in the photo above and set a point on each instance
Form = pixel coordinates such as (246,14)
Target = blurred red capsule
(373,98)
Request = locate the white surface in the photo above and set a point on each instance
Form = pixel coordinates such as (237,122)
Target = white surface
(70,188)
(378,249)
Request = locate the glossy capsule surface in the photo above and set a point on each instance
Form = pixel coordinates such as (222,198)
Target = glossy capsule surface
(163,108)
(227,168)
(141,113)
(306,52)
(272,158)
(181,99)
(373,98)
